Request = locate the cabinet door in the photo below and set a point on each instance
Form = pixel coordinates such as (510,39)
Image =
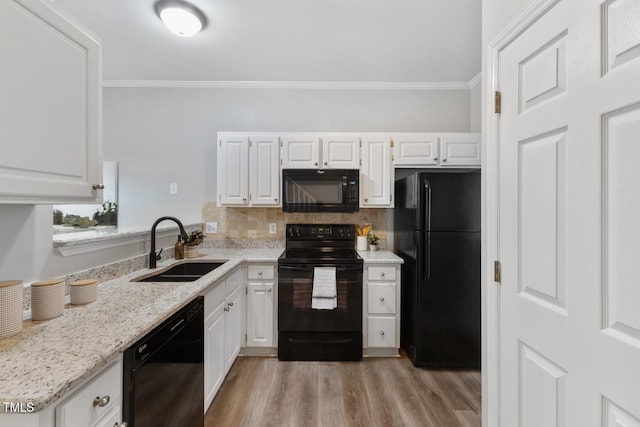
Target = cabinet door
(214,353)
(460,149)
(233,170)
(260,314)
(415,149)
(50,119)
(112,419)
(264,173)
(233,327)
(301,151)
(376,173)
(340,151)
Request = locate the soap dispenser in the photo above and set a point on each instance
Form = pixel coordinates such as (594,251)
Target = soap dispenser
(179,249)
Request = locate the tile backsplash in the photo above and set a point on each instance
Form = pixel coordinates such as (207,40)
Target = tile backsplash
(253,223)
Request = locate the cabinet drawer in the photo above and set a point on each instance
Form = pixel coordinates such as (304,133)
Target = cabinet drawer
(381,331)
(381,298)
(213,298)
(383,272)
(79,409)
(233,281)
(260,272)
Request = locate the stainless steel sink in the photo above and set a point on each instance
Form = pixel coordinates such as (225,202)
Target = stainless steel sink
(185,272)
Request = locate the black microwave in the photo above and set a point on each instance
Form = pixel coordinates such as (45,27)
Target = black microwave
(320,190)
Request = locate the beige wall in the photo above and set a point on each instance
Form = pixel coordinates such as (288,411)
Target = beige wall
(253,223)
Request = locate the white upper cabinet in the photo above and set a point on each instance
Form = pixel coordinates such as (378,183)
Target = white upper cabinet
(264,170)
(415,149)
(301,151)
(436,149)
(248,169)
(233,169)
(340,151)
(460,149)
(376,172)
(50,113)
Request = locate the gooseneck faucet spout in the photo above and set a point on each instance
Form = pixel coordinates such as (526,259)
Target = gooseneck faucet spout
(153,257)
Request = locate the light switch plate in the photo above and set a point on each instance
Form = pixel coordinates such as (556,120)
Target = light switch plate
(273,229)
(211,228)
(173,188)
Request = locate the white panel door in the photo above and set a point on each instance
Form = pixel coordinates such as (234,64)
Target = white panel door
(214,353)
(233,170)
(340,151)
(376,172)
(415,149)
(460,149)
(568,204)
(233,326)
(50,107)
(264,170)
(260,314)
(301,151)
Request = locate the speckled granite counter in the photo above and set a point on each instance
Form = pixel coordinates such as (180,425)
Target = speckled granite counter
(380,256)
(48,358)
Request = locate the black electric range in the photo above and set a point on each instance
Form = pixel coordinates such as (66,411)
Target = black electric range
(306,332)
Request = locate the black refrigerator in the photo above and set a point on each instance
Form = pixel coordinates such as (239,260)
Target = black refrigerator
(437,233)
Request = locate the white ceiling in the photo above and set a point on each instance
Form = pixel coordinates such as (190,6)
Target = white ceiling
(290,40)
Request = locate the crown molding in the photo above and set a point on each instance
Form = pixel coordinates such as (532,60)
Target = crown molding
(475,81)
(287,85)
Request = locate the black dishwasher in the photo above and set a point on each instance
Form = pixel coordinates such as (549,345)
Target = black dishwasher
(164,373)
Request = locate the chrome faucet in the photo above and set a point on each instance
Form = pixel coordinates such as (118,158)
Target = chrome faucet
(153,257)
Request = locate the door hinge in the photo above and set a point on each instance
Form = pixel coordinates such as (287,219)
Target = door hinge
(249,196)
(392,144)
(220,143)
(497,102)
(246,291)
(391,198)
(280,142)
(360,142)
(245,338)
(360,162)
(497,271)
(250,143)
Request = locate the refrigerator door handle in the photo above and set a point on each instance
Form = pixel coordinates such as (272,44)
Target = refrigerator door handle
(427,272)
(427,219)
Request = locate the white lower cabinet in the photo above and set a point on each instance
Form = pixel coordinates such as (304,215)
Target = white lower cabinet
(95,402)
(382,306)
(260,305)
(222,332)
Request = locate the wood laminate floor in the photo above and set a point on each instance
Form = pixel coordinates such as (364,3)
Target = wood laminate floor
(262,391)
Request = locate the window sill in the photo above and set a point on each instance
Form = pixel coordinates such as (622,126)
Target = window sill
(92,241)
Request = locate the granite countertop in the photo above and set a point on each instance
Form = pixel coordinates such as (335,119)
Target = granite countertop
(380,256)
(49,358)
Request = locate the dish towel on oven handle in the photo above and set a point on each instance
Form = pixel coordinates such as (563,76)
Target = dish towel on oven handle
(324,295)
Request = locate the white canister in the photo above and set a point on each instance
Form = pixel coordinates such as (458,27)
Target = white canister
(83,291)
(361,243)
(47,299)
(11,294)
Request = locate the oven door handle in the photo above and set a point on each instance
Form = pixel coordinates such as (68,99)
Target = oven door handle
(357,267)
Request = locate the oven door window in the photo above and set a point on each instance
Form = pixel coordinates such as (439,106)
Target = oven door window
(295,286)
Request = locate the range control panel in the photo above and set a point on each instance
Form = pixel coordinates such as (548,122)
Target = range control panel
(320,231)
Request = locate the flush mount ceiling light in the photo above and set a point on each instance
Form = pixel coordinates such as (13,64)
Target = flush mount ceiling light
(181,17)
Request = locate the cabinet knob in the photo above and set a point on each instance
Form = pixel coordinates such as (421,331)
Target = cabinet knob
(325,163)
(382,274)
(381,332)
(381,298)
(244,199)
(226,309)
(444,159)
(275,199)
(269,290)
(230,304)
(98,186)
(259,273)
(366,199)
(316,163)
(101,401)
(435,158)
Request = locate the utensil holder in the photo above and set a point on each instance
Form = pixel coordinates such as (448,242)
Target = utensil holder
(47,299)
(361,243)
(83,291)
(191,251)
(11,294)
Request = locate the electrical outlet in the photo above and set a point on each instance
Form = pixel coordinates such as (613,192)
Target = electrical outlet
(173,188)
(273,229)
(211,228)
